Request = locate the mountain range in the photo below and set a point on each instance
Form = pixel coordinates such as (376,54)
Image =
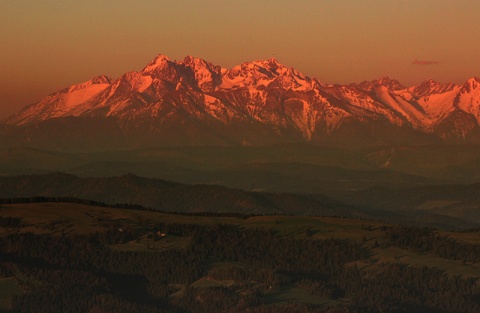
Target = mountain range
(193,102)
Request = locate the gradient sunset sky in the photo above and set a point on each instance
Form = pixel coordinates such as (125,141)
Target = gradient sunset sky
(48,45)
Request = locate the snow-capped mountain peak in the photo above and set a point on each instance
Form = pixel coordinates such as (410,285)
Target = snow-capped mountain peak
(247,74)
(156,65)
(470,85)
(267,73)
(391,84)
(206,75)
(98,80)
(101,79)
(429,87)
(157,61)
(468,98)
(261,98)
(272,65)
(196,63)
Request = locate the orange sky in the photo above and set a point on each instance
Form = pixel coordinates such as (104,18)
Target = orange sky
(48,45)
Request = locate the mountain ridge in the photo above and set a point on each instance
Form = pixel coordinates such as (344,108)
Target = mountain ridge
(193,101)
(165,195)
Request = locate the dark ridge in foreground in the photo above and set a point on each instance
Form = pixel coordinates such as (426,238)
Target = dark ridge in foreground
(130,191)
(168,196)
(115,206)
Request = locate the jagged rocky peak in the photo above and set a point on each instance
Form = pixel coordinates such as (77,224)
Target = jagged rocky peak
(430,83)
(384,81)
(101,79)
(392,84)
(425,88)
(98,80)
(158,66)
(134,81)
(206,75)
(197,63)
(268,68)
(429,87)
(200,65)
(470,85)
(158,61)
(130,76)
(265,73)
(271,64)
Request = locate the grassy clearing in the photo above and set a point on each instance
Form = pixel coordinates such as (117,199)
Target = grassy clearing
(8,289)
(435,204)
(466,237)
(144,243)
(67,217)
(397,255)
(314,227)
(294,294)
(207,282)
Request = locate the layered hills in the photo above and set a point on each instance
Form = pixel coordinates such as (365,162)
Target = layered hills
(168,196)
(193,102)
(447,207)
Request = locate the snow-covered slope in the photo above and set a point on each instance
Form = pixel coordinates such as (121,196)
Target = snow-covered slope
(468,98)
(62,103)
(260,102)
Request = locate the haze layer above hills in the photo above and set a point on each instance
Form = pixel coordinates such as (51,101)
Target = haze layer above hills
(431,185)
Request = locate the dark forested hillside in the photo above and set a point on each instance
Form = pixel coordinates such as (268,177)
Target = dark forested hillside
(78,258)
